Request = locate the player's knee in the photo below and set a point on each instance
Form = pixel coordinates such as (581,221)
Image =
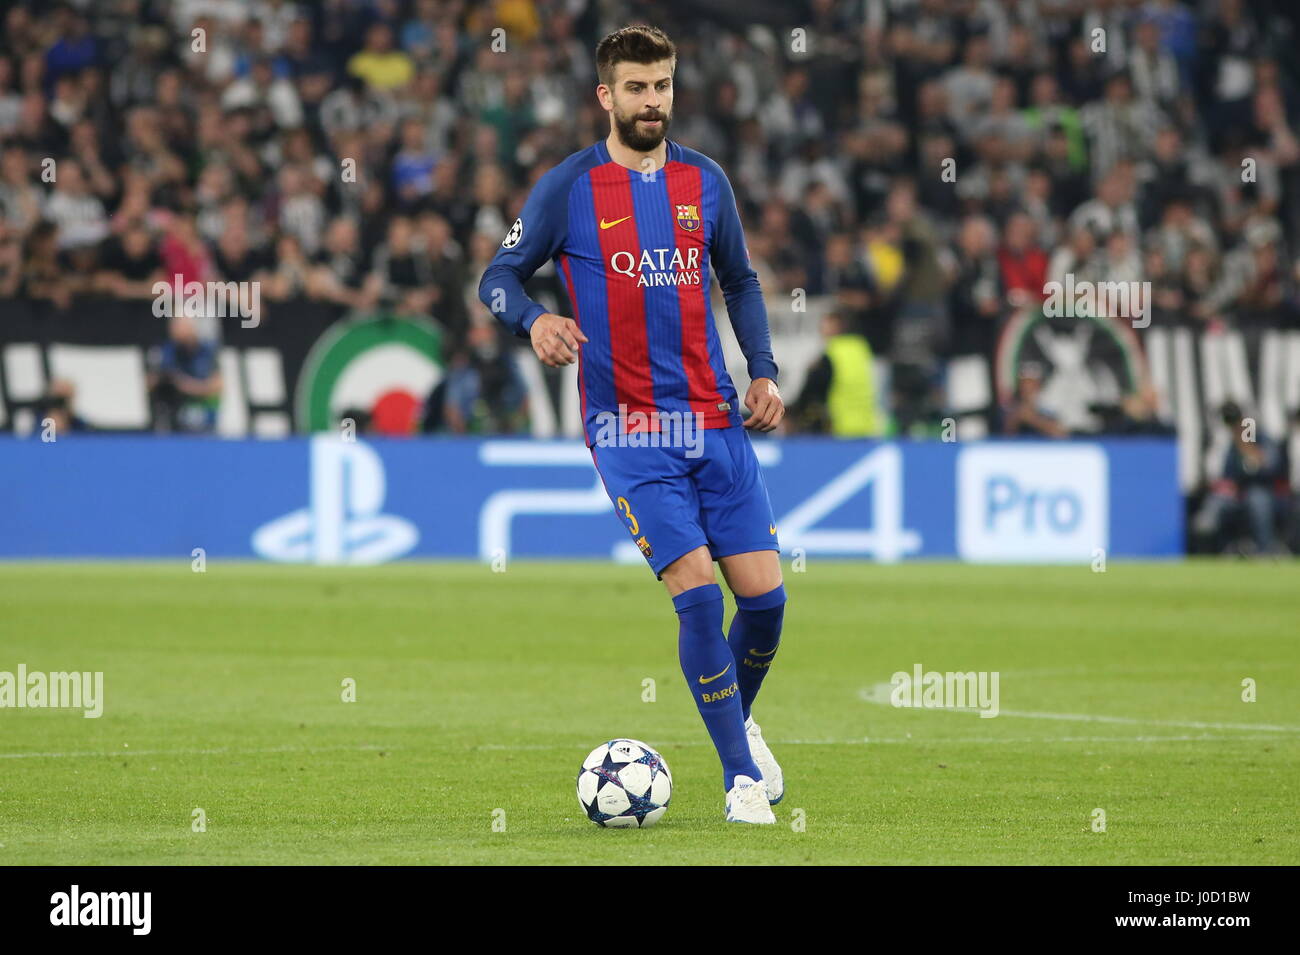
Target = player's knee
(771,602)
(689,571)
(754,574)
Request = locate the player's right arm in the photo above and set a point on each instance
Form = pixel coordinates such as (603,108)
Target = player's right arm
(537,235)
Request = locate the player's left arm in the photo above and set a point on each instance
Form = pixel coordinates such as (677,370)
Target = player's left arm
(747,311)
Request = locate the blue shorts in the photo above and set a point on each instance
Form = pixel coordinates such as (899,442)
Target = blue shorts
(672,503)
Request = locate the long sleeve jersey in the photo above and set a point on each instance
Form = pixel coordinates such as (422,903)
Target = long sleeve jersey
(634,250)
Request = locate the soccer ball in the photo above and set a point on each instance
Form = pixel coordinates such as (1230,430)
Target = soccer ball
(624,784)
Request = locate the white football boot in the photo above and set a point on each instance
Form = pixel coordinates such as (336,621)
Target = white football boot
(766,762)
(747,802)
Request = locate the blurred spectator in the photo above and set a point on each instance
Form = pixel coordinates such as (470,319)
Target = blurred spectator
(1023,264)
(291,275)
(848,280)
(78,213)
(22,202)
(1250,500)
(262,91)
(301,213)
(1120,126)
(378,64)
(75,47)
(1112,209)
(445,260)
(130,265)
(352,106)
(838,395)
(404,273)
(414,164)
(1026,416)
(1049,115)
(235,258)
(11,261)
(976,296)
(339,274)
(57,407)
(482,392)
(185,382)
(43,276)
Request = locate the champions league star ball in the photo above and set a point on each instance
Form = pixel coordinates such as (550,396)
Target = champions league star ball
(624,784)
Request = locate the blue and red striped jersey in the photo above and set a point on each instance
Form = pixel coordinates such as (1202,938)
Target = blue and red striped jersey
(635,250)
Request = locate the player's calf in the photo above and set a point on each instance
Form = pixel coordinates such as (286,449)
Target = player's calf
(754,638)
(710,672)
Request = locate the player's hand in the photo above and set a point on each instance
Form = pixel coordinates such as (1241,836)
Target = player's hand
(555,339)
(764,403)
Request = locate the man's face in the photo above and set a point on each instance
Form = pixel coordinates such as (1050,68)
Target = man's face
(136,242)
(640,103)
(184,332)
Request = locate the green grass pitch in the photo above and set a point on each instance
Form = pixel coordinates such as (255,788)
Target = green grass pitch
(480,691)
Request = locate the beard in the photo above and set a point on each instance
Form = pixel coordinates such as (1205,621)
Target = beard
(635,138)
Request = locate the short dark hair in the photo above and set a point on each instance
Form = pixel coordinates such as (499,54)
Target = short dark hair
(634,44)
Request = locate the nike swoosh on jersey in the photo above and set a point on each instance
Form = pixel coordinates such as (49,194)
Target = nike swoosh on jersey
(710,679)
(610,225)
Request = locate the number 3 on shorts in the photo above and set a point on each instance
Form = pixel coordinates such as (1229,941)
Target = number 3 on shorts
(625,509)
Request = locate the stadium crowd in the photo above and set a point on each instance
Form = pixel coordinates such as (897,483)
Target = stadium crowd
(927,165)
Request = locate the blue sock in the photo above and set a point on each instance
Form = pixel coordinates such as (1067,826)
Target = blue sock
(711,673)
(754,637)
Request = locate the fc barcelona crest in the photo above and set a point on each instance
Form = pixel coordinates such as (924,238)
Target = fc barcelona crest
(688,217)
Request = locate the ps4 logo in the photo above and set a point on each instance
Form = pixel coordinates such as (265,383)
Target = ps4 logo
(878,472)
(343,522)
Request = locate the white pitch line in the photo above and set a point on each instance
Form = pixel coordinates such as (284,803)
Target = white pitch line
(880,694)
(925,740)
(1021,740)
(221,751)
(549,747)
